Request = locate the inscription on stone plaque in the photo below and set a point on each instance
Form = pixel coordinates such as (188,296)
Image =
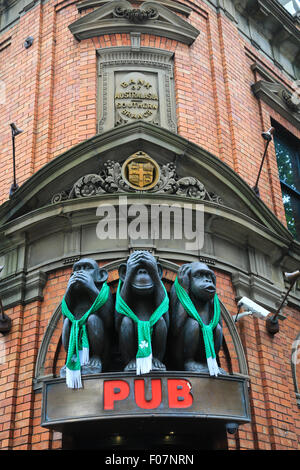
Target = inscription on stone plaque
(136,98)
(135,86)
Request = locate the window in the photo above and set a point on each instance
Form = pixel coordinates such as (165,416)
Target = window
(287,149)
(292,6)
(9,12)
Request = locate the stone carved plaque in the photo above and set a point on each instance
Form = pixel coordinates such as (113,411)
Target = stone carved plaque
(136,97)
(135,85)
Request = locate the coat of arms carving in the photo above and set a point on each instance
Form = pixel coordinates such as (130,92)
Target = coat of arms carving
(140,171)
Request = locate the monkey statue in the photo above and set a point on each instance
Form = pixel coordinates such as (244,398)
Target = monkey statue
(87,309)
(142,313)
(195,320)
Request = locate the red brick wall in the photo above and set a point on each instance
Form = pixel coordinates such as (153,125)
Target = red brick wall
(51,94)
(275,417)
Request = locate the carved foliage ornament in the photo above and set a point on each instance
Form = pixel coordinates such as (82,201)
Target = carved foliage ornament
(135,15)
(138,173)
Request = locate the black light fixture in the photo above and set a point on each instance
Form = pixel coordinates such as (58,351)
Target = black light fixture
(272,322)
(14,132)
(5,321)
(267,136)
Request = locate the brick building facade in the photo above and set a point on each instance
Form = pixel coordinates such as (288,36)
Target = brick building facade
(229,75)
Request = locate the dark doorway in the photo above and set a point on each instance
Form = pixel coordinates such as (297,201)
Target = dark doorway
(158,437)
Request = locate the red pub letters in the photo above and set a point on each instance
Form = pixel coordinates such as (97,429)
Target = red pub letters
(179,394)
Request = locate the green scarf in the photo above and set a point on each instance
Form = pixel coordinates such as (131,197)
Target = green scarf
(78,350)
(144,328)
(207,330)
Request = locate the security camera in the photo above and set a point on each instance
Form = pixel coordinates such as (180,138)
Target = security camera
(268,135)
(251,308)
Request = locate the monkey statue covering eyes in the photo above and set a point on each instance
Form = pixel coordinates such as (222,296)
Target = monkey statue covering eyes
(195,321)
(85,287)
(142,301)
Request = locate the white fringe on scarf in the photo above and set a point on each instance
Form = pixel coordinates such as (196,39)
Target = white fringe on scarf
(213,366)
(143,365)
(84,356)
(73,378)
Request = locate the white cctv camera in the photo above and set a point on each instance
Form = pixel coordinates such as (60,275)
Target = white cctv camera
(252,308)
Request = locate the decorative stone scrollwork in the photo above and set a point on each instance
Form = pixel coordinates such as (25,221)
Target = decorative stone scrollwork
(88,185)
(111,180)
(291,104)
(59,197)
(135,15)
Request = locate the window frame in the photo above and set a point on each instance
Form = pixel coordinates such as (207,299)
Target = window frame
(285,187)
(283,4)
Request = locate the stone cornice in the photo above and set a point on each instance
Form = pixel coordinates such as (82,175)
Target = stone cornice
(123,54)
(263,71)
(269,28)
(23,288)
(64,209)
(119,17)
(279,98)
(264,293)
(273,12)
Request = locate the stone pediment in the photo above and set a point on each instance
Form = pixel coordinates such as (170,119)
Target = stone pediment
(120,17)
(187,172)
(280,99)
(112,180)
(51,220)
